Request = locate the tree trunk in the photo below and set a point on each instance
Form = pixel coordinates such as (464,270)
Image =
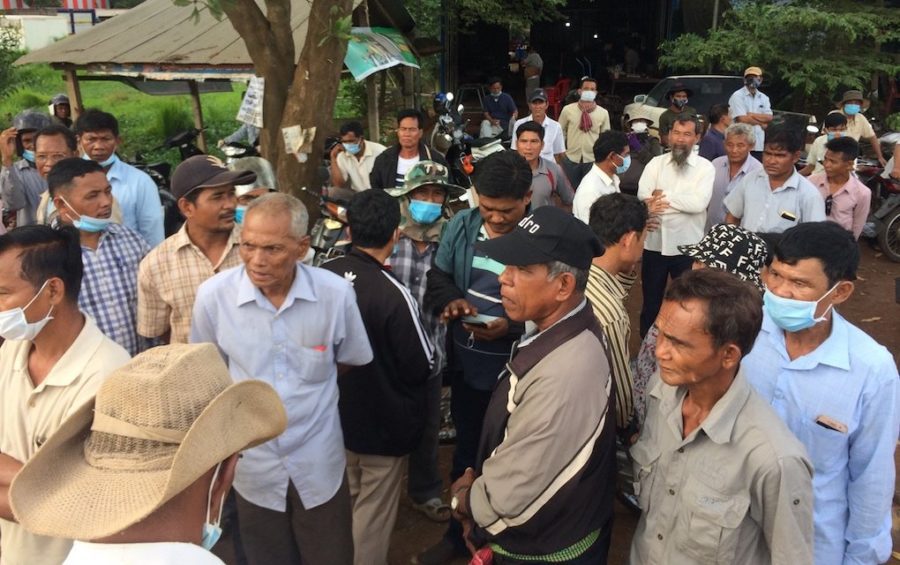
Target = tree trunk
(301,94)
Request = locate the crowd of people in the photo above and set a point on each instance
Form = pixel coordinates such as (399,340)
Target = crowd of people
(143,376)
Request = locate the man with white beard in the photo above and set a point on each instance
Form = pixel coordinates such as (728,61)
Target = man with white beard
(677,187)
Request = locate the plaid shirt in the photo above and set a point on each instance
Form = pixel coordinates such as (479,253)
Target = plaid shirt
(168,280)
(411,268)
(109,286)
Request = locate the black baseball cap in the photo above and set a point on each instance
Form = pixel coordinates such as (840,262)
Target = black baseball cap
(538,94)
(205,171)
(547,234)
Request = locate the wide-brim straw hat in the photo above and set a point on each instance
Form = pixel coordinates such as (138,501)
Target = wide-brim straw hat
(156,425)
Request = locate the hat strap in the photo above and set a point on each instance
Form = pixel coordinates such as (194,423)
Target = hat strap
(108,424)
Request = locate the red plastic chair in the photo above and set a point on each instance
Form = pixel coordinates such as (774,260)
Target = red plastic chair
(562,87)
(554,101)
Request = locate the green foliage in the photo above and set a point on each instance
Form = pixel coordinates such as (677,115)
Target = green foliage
(892,122)
(172,118)
(516,14)
(9,52)
(815,46)
(351,100)
(339,26)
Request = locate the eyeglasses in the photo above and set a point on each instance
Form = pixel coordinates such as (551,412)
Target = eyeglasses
(828,202)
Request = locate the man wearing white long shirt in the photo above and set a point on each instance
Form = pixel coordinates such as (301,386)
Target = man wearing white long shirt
(677,187)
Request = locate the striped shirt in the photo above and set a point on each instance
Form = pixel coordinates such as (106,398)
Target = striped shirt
(109,286)
(168,280)
(607,295)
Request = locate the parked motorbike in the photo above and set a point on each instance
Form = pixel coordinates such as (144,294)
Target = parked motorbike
(161,172)
(329,236)
(460,149)
(883,223)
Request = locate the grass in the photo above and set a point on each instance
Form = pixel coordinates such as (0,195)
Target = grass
(144,120)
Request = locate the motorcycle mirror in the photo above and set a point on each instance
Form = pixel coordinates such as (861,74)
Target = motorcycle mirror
(449,97)
(812,129)
(459,108)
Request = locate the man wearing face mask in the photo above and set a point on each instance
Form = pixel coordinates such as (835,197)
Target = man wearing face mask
(858,127)
(246,193)
(21,185)
(835,388)
(353,158)
(582,123)
(499,110)
(53,360)
(612,157)
(111,253)
(678,106)
(134,190)
(424,213)
(833,126)
(750,106)
(138,474)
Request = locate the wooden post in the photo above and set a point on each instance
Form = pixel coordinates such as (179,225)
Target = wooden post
(73,90)
(372,105)
(198,114)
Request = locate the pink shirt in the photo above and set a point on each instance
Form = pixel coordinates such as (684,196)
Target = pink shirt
(850,204)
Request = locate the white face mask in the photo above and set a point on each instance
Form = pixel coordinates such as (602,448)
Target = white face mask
(639,127)
(588,95)
(14,326)
(212,531)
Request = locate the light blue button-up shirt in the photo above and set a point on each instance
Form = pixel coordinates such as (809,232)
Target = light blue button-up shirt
(296,349)
(743,102)
(138,198)
(851,380)
(762,209)
(724,184)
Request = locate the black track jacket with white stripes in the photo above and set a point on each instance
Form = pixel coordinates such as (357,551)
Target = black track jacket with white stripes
(382,404)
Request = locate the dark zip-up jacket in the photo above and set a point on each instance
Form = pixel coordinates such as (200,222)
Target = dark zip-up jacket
(382,404)
(384,169)
(546,462)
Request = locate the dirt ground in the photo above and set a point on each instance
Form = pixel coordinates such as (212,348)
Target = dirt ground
(873,307)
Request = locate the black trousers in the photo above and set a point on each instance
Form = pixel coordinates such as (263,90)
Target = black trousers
(656,269)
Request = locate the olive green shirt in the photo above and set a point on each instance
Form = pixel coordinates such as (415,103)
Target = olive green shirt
(667,118)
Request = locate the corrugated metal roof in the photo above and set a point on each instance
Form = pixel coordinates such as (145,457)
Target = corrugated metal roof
(159,36)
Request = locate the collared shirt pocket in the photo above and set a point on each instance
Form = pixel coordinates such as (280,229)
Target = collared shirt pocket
(827,448)
(645,455)
(311,364)
(708,521)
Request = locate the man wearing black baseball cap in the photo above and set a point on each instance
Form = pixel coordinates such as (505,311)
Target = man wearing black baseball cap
(206,244)
(552,412)
(554,143)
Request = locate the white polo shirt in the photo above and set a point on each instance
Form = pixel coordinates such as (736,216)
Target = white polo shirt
(30,414)
(357,170)
(554,142)
(594,185)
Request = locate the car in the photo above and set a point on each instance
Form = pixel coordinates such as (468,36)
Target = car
(706,91)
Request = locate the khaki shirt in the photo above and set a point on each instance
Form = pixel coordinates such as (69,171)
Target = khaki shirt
(580,144)
(858,126)
(737,490)
(30,414)
(168,279)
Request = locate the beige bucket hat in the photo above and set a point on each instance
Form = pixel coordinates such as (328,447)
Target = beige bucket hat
(156,425)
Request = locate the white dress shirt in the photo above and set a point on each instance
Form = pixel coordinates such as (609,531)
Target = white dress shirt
(688,190)
(594,185)
(357,171)
(554,142)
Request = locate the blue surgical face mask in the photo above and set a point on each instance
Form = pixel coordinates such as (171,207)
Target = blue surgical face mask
(212,531)
(87,223)
(351,148)
(424,212)
(626,162)
(239,214)
(833,135)
(794,315)
(851,109)
(107,163)
(28,155)
(588,95)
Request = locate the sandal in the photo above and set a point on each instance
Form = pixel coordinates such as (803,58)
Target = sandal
(434,509)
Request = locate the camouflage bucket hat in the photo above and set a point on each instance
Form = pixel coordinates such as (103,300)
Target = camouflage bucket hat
(426,173)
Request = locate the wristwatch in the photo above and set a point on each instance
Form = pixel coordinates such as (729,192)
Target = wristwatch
(454,502)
